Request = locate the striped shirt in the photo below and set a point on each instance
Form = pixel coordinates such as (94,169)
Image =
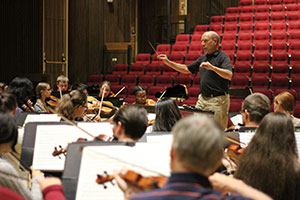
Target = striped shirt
(185,186)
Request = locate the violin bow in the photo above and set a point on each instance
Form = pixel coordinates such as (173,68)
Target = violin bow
(153,48)
(60,93)
(101,102)
(161,96)
(119,91)
(234,141)
(70,122)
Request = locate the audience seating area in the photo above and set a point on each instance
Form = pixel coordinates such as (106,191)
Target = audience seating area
(262,41)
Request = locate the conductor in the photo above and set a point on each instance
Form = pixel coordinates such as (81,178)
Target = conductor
(215,74)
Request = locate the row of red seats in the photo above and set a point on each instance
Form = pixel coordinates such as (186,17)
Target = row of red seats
(267,70)
(266,2)
(261,46)
(147,80)
(273,17)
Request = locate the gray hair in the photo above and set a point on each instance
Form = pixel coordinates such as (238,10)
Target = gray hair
(198,142)
(214,35)
(258,105)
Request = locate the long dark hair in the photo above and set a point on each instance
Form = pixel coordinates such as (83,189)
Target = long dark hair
(167,114)
(22,88)
(8,129)
(270,162)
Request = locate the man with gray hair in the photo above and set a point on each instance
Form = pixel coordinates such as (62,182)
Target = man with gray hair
(254,108)
(215,74)
(196,153)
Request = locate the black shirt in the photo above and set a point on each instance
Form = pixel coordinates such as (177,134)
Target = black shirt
(210,82)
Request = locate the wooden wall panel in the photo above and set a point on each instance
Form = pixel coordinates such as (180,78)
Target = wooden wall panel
(21,38)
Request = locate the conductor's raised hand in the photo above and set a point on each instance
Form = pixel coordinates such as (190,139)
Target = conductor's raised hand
(207,65)
(163,57)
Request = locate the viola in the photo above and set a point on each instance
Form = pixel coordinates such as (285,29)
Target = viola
(61,150)
(144,183)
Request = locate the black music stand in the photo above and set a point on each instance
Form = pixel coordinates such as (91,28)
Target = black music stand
(73,161)
(29,141)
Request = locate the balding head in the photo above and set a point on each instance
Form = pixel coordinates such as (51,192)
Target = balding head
(210,42)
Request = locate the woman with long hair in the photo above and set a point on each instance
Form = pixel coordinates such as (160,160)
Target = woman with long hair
(270,162)
(167,114)
(72,105)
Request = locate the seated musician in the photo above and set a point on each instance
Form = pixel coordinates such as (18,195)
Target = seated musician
(62,84)
(284,102)
(81,87)
(167,114)
(105,90)
(8,140)
(8,103)
(254,108)
(22,88)
(73,105)
(270,161)
(3,87)
(196,153)
(130,123)
(140,94)
(43,91)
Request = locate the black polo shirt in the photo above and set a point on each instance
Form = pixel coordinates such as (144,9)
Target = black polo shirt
(210,82)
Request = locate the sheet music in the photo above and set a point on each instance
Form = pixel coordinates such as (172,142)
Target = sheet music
(245,137)
(42,118)
(48,137)
(297,136)
(97,128)
(96,160)
(237,119)
(160,138)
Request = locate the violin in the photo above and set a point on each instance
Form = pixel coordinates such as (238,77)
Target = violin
(61,150)
(94,104)
(52,101)
(234,151)
(144,183)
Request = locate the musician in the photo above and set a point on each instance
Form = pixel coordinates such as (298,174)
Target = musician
(215,74)
(81,87)
(284,102)
(62,84)
(254,108)
(167,114)
(140,94)
(106,88)
(3,87)
(22,88)
(130,123)
(196,153)
(8,140)
(43,91)
(8,103)
(73,105)
(270,161)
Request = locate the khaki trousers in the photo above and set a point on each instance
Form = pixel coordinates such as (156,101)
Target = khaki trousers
(219,104)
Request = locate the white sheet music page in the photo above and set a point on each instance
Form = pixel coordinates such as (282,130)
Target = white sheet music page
(48,137)
(97,160)
(245,137)
(42,118)
(97,128)
(297,136)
